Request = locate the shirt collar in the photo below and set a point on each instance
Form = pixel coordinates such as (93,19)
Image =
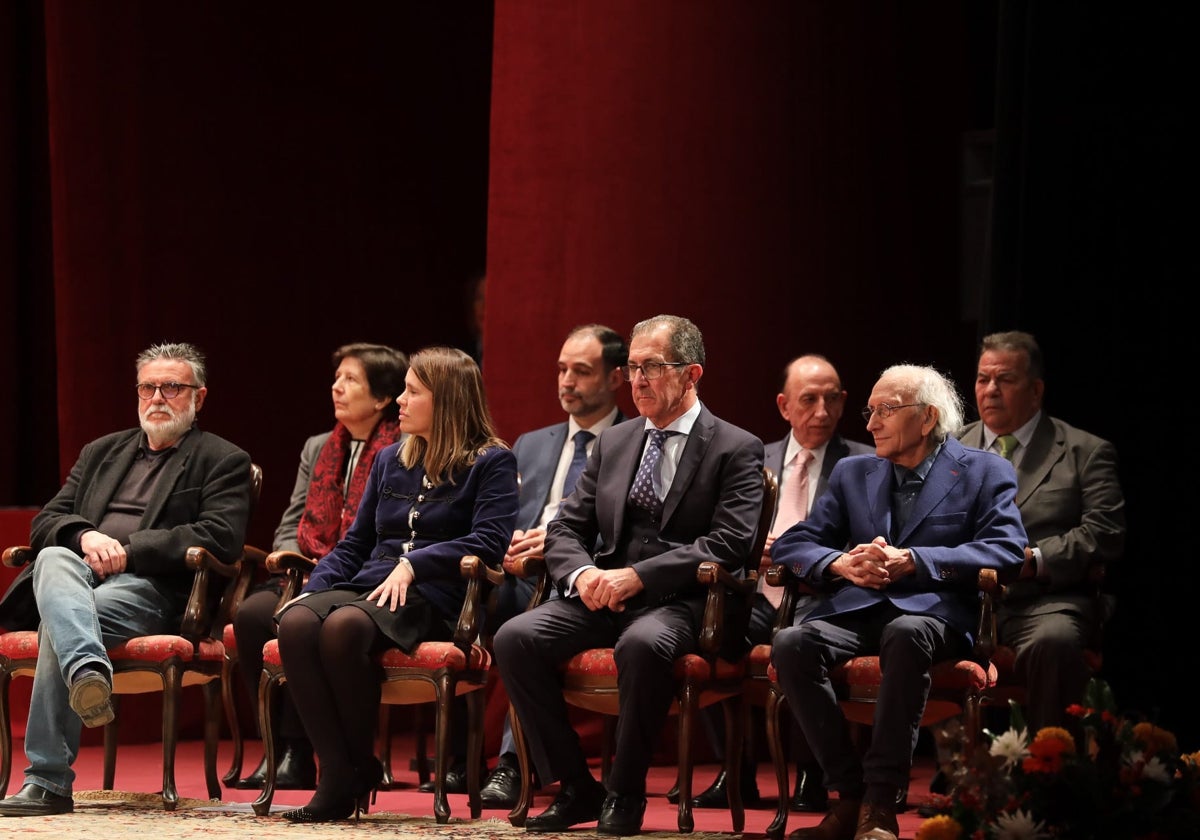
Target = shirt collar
(596,428)
(1023,434)
(682,424)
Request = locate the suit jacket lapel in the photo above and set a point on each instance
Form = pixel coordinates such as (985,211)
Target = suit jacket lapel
(943,475)
(693,453)
(1044,451)
(546,465)
(879,495)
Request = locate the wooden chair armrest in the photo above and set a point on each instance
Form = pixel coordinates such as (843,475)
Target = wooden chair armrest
(985,635)
(721,586)
(294,567)
(17,556)
(480,578)
(281,562)
(199,615)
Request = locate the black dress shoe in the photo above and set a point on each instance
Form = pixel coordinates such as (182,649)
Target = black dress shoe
(295,769)
(716,796)
(576,803)
(456,779)
(810,794)
(35,801)
(503,787)
(622,814)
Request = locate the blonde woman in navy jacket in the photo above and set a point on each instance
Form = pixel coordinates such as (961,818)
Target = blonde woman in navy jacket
(448,490)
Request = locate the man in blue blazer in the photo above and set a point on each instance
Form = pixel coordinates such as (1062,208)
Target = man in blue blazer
(661,496)
(896,543)
(111,561)
(811,400)
(549,461)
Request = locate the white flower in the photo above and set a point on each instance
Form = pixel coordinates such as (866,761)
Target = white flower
(1019,826)
(1011,746)
(1153,769)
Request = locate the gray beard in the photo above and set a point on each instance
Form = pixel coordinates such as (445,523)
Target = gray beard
(162,435)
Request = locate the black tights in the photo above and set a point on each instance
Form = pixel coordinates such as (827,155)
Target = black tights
(334,684)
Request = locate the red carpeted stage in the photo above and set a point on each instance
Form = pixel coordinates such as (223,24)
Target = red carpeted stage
(139,769)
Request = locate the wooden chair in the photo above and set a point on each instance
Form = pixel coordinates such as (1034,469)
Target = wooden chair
(253,560)
(435,672)
(166,663)
(702,679)
(958,686)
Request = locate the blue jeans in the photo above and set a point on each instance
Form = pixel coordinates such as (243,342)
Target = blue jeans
(81,617)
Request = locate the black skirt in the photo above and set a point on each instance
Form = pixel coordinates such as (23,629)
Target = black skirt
(414,622)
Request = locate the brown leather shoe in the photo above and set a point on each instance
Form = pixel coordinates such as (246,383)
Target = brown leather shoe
(877,822)
(839,823)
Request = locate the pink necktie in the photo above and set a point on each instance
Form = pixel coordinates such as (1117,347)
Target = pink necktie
(793,506)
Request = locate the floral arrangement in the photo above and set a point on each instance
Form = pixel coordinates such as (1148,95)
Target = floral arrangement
(1127,780)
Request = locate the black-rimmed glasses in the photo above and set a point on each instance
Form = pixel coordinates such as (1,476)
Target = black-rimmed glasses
(884,410)
(650,370)
(169,390)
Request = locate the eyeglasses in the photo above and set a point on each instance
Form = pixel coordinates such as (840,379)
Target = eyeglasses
(169,390)
(884,410)
(650,370)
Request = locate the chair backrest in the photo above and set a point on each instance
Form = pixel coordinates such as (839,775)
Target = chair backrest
(765,518)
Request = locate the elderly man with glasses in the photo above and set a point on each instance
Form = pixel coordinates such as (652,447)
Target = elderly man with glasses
(662,496)
(111,560)
(896,542)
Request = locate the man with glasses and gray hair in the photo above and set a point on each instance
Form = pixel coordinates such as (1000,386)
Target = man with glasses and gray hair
(662,495)
(896,544)
(111,560)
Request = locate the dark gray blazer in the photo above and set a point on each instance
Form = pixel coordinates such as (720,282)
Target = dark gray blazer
(710,513)
(203,498)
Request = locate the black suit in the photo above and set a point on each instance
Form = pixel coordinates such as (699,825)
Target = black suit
(710,512)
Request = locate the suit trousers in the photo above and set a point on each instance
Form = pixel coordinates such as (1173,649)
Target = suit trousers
(1050,662)
(646,641)
(908,646)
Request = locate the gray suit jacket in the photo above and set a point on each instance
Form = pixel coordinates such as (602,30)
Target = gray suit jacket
(203,498)
(285,535)
(711,511)
(1072,508)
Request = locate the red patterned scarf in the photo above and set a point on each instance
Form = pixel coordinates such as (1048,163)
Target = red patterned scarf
(327,512)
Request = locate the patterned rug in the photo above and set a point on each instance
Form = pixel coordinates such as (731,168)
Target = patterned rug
(109,815)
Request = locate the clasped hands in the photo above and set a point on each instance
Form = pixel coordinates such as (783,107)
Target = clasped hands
(611,588)
(874,565)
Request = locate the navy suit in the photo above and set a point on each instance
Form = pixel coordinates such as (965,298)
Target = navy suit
(964,519)
(710,512)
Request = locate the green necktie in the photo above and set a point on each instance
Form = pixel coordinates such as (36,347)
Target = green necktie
(1008,445)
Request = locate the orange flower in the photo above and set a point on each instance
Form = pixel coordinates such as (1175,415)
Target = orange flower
(1047,750)
(1153,739)
(940,827)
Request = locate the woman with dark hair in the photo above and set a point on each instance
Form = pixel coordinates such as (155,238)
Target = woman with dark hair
(449,490)
(333,471)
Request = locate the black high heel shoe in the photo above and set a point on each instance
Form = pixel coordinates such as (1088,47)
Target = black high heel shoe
(367,778)
(319,814)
